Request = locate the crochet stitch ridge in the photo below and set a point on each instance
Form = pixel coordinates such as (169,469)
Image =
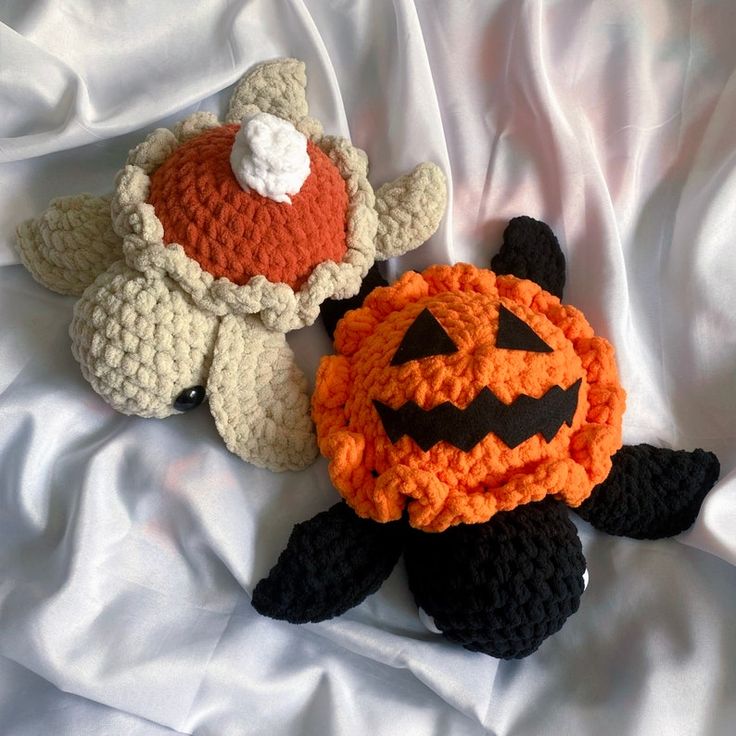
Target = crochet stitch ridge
(278,304)
(237,234)
(188,279)
(444,485)
(464,411)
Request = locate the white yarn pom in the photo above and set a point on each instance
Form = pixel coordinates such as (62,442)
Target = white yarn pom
(270,156)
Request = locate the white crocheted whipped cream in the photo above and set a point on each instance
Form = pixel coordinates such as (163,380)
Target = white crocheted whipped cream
(270,156)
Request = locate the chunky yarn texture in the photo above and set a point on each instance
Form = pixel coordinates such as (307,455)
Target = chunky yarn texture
(188,282)
(465,411)
(269,155)
(239,234)
(503,587)
(359,555)
(445,485)
(70,244)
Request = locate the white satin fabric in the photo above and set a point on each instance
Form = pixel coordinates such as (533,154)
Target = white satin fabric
(129,547)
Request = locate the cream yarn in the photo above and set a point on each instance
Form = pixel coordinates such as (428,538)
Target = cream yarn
(151,322)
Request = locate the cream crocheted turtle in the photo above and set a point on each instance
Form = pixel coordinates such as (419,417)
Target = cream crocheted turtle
(217,240)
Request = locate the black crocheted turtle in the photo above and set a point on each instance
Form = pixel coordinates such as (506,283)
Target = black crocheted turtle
(465,411)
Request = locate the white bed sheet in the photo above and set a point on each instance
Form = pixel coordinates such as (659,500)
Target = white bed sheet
(129,547)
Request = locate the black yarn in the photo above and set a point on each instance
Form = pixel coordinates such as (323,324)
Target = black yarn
(651,492)
(331,563)
(530,251)
(504,586)
(333,310)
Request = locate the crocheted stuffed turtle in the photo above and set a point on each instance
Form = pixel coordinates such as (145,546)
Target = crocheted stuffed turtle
(218,239)
(464,411)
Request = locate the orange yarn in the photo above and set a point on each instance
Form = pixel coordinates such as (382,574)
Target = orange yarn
(239,234)
(444,485)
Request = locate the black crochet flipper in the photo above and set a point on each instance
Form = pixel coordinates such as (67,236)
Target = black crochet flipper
(333,310)
(501,587)
(651,492)
(530,251)
(331,563)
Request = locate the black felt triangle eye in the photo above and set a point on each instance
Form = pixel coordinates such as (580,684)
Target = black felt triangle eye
(424,338)
(515,334)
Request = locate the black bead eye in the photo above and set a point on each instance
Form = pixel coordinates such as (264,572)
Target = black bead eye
(515,334)
(190,398)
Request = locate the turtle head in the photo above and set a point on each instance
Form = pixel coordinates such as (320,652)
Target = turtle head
(147,349)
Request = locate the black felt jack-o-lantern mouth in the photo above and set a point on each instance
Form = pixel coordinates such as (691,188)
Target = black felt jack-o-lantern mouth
(464,428)
(513,423)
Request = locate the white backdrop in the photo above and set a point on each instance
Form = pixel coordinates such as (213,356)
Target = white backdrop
(129,547)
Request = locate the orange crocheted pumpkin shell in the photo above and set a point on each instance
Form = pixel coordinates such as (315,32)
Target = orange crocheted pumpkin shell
(238,234)
(440,400)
